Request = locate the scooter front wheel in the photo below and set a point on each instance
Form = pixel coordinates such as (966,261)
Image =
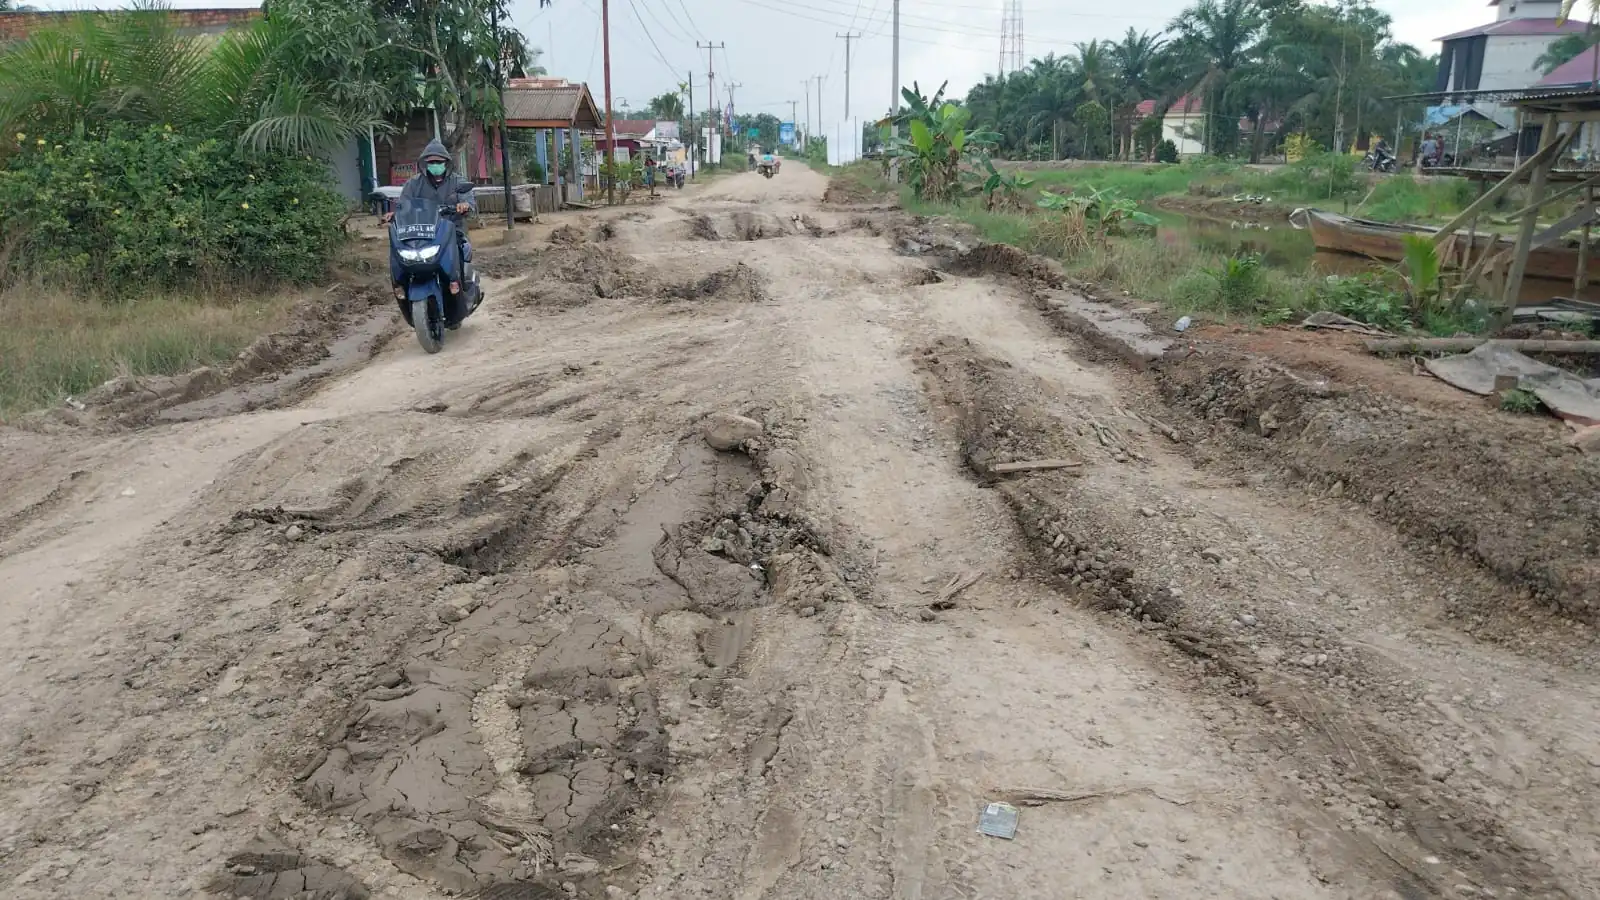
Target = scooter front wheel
(430,331)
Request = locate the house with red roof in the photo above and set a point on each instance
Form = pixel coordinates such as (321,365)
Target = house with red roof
(1185,124)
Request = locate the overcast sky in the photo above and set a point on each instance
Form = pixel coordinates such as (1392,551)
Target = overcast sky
(774,45)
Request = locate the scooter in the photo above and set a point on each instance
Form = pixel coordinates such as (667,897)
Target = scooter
(1378,162)
(767,169)
(427,259)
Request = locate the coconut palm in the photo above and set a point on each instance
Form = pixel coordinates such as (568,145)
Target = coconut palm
(255,85)
(1215,39)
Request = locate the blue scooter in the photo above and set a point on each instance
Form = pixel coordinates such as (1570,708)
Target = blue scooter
(427,259)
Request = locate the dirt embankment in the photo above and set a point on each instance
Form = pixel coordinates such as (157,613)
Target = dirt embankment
(1340,719)
(1486,486)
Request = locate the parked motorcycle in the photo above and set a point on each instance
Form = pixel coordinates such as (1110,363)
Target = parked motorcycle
(1442,161)
(428,257)
(1378,162)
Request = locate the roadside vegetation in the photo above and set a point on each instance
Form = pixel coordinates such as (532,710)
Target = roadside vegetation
(164,196)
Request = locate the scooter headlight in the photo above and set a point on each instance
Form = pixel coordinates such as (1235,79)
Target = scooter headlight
(426,254)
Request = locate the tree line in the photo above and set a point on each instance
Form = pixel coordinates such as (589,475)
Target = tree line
(1279,66)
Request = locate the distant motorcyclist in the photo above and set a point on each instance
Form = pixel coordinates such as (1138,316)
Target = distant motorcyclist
(770,159)
(436,180)
(752,160)
(1428,153)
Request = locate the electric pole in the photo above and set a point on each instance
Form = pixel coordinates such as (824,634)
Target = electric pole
(894,93)
(732,109)
(500,88)
(794,116)
(820,120)
(694,137)
(711,89)
(806,135)
(847,39)
(611,126)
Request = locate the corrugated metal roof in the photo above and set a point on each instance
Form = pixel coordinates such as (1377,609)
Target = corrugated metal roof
(566,103)
(1520,28)
(1578,70)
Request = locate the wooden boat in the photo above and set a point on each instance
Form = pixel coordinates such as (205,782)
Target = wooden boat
(1381,240)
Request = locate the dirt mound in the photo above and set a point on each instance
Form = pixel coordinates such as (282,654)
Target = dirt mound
(569,276)
(996,415)
(745,225)
(328,331)
(1004,259)
(505,262)
(739,282)
(567,234)
(1526,509)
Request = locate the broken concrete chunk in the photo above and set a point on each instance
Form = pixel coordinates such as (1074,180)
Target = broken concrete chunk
(726,431)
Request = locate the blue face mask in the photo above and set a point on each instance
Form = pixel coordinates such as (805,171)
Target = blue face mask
(436,169)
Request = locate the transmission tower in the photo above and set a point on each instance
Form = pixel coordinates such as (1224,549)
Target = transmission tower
(1011,36)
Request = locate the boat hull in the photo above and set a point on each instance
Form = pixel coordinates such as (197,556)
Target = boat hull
(1380,240)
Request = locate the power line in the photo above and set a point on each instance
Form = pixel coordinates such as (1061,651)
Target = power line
(936,24)
(690,18)
(651,38)
(674,17)
(657,19)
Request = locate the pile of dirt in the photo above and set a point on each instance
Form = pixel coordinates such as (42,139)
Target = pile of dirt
(505,262)
(567,234)
(745,225)
(855,191)
(995,414)
(315,324)
(1004,259)
(1526,511)
(739,282)
(568,276)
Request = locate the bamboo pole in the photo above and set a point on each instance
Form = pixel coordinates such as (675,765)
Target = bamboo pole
(1530,220)
(1494,193)
(1559,195)
(1580,278)
(1457,345)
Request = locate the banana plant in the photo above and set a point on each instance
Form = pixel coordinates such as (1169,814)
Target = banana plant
(938,142)
(1001,189)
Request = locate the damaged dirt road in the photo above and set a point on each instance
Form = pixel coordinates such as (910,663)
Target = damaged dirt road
(694,567)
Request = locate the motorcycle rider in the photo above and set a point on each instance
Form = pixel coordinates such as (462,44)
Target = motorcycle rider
(770,159)
(1428,153)
(437,181)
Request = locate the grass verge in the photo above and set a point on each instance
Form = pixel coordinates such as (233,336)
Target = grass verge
(57,345)
(1168,268)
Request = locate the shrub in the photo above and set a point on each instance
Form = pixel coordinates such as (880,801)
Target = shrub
(1167,152)
(136,208)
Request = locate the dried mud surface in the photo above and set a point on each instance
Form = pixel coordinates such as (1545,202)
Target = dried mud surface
(630,593)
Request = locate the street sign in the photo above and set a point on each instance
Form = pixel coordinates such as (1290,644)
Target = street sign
(753,132)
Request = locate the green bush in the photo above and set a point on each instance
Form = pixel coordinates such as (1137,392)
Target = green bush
(139,208)
(1167,152)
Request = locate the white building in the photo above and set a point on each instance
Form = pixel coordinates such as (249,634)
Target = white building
(1500,56)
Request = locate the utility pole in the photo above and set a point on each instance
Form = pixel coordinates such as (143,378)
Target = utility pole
(805,136)
(694,133)
(819,105)
(500,87)
(794,116)
(848,37)
(894,93)
(611,126)
(711,89)
(732,122)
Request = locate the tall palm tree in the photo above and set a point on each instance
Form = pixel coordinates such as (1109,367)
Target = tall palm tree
(1135,59)
(1217,38)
